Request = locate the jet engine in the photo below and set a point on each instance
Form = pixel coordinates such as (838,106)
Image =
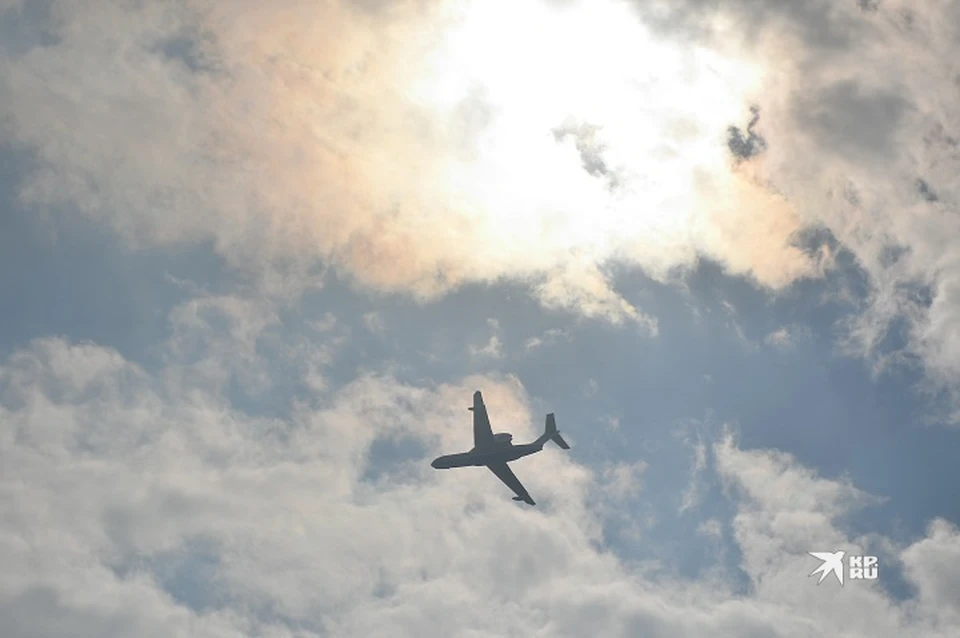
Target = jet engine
(502,438)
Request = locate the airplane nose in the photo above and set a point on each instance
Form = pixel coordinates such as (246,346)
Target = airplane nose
(434,464)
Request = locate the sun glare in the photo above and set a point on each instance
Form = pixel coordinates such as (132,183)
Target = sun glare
(594,134)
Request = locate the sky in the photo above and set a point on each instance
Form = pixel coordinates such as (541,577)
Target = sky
(255,258)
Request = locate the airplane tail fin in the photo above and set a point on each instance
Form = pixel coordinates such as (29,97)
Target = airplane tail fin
(553,434)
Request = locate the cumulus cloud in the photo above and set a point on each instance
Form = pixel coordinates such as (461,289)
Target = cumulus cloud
(860,130)
(394,145)
(929,564)
(134,504)
(371,139)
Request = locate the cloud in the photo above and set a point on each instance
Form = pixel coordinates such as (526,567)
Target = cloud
(859,136)
(786,338)
(693,495)
(549,337)
(297,137)
(324,324)
(241,342)
(749,344)
(374,323)
(281,146)
(928,564)
(711,528)
(137,504)
(779,338)
(278,145)
(584,287)
(278,149)
(623,480)
(493,348)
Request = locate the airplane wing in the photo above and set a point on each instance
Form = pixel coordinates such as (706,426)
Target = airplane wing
(505,474)
(482,434)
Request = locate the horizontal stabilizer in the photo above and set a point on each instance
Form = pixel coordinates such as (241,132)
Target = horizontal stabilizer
(553,434)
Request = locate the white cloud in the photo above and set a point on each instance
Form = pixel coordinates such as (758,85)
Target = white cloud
(693,495)
(549,337)
(493,348)
(184,123)
(219,335)
(623,480)
(119,484)
(787,338)
(147,503)
(857,115)
(280,151)
(711,528)
(217,340)
(582,286)
(780,338)
(931,564)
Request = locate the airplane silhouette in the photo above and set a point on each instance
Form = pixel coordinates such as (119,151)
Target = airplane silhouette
(496,450)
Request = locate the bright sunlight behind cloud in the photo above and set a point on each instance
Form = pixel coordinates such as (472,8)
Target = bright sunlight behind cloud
(416,148)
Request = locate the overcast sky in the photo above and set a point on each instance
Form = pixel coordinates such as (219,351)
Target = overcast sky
(256,257)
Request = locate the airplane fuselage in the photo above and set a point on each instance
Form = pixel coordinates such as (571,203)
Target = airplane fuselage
(497,454)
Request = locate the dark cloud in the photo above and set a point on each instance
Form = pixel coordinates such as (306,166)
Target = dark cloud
(890,255)
(813,240)
(189,49)
(744,146)
(926,192)
(819,23)
(849,118)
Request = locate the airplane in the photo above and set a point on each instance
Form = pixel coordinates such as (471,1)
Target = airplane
(496,450)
